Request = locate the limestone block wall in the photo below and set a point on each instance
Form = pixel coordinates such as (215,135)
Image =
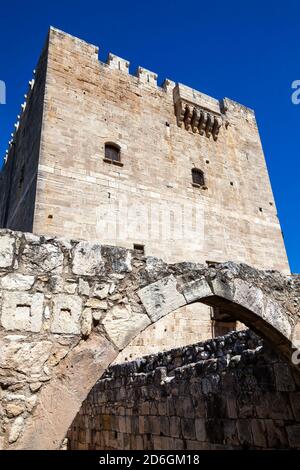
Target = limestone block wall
(233,392)
(53,293)
(163,132)
(149,200)
(186,325)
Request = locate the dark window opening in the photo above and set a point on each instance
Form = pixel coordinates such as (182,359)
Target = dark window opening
(66,310)
(222,322)
(22,177)
(211,263)
(112,154)
(198,177)
(139,249)
(24,306)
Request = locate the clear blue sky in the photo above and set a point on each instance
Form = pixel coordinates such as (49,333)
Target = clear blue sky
(246,50)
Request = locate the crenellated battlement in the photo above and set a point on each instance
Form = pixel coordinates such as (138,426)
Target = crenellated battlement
(168,146)
(16,125)
(195,111)
(146,76)
(117,63)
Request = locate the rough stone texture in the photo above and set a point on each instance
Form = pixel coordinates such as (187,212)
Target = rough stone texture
(161,298)
(17,282)
(59,174)
(121,324)
(212,395)
(87,259)
(6,251)
(16,429)
(22,311)
(66,314)
(186,325)
(55,181)
(59,335)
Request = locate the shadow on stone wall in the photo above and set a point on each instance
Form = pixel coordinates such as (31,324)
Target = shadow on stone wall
(232,392)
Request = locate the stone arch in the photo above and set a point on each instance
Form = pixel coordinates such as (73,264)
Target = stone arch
(61,399)
(242,299)
(45,281)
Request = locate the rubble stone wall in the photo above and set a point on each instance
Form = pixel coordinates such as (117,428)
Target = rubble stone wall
(69,308)
(232,392)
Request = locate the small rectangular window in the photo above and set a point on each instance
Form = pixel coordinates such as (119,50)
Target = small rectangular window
(22,177)
(212,263)
(112,152)
(139,249)
(221,322)
(198,177)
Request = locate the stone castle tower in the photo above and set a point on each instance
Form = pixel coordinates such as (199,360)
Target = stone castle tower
(100,154)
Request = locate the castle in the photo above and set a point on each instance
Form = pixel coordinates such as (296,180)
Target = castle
(105,156)
(130,213)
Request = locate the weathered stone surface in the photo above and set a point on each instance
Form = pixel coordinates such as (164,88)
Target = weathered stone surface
(244,432)
(161,298)
(14,409)
(97,304)
(50,311)
(122,324)
(162,400)
(39,257)
(62,398)
(197,290)
(17,282)
(27,357)
(83,287)
(294,435)
(188,428)
(66,314)
(31,403)
(70,287)
(6,251)
(22,311)
(223,289)
(275,316)
(34,387)
(259,433)
(87,259)
(86,322)
(284,378)
(200,429)
(249,296)
(97,314)
(276,434)
(119,259)
(16,429)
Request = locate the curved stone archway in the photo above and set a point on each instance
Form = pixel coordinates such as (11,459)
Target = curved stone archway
(68,308)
